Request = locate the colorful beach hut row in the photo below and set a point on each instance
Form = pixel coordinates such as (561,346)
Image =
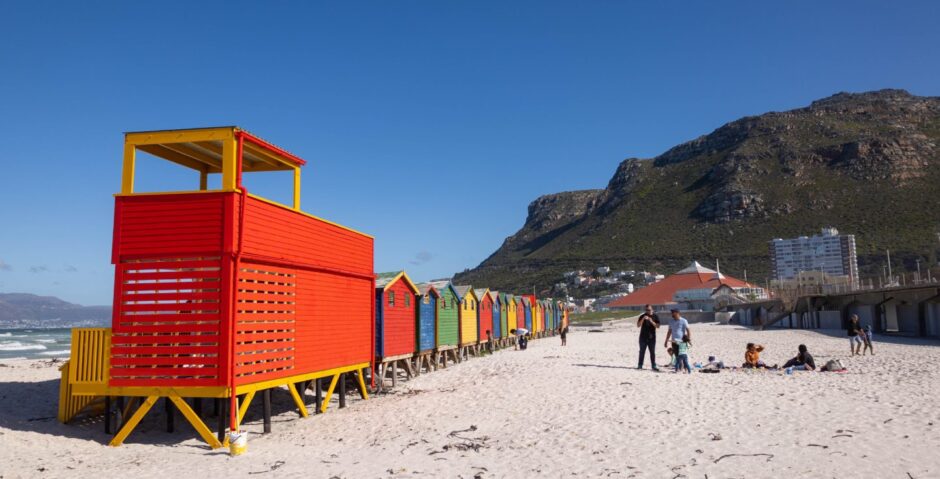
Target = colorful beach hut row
(421,327)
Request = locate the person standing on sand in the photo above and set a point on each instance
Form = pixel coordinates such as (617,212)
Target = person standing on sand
(855,336)
(648,323)
(866,337)
(678,329)
(563,332)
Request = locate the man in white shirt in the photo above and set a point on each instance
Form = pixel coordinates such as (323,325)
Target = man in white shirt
(678,329)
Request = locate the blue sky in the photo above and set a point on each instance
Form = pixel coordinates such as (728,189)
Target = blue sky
(430,125)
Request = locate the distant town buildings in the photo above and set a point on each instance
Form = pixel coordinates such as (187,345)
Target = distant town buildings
(829,253)
(695,287)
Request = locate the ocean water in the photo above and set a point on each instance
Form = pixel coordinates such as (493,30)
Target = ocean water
(35,343)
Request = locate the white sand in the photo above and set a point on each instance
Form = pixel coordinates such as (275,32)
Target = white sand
(549,411)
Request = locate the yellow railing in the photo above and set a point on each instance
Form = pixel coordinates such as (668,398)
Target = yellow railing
(87,368)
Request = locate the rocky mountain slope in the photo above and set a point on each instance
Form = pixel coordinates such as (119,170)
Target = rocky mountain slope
(865,163)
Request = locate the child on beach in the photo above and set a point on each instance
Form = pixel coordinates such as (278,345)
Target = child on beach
(752,357)
(672,357)
(866,337)
(563,332)
(682,356)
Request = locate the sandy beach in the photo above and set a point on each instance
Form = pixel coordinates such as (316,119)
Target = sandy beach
(581,410)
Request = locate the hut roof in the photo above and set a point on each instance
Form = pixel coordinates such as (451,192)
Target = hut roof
(385,280)
(462,290)
(425,288)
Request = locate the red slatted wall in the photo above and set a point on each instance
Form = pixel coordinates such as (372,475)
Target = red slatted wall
(166,329)
(301,296)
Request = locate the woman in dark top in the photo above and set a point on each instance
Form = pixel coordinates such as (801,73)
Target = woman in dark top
(802,362)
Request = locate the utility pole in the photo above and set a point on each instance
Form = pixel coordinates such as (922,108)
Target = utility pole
(890,276)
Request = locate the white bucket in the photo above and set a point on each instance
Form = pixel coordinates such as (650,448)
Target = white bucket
(237,443)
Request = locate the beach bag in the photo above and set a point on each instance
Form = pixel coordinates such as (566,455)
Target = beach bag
(834,365)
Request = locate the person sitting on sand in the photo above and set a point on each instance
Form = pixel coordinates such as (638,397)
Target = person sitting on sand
(672,357)
(802,362)
(521,341)
(682,358)
(752,357)
(714,363)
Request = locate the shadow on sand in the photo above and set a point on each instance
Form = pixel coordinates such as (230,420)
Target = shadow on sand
(33,406)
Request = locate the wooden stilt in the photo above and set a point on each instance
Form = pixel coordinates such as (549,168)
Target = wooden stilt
(220,411)
(318,391)
(108,415)
(408,369)
(266,409)
(170,416)
(394,373)
(342,390)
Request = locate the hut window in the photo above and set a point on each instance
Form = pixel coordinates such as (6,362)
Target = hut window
(427,299)
(391,298)
(443,304)
(407,301)
(463,303)
(471,305)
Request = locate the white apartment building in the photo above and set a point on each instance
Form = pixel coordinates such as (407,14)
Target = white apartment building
(829,252)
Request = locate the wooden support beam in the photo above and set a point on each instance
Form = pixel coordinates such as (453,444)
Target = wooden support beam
(361,383)
(298,401)
(342,390)
(243,407)
(329,393)
(131,423)
(204,432)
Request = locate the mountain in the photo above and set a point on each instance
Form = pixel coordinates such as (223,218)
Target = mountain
(32,311)
(866,163)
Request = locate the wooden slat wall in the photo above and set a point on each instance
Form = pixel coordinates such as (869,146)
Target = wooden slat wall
(277,232)
(166,329)
(167,225)
(398,321)
(172,255)
(265,323)
(334,321)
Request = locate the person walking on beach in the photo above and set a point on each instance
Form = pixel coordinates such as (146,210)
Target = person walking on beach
(866,337)
(678,329)
(563,332)
(855,336)
(648,323)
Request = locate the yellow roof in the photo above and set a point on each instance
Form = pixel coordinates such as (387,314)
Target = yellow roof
(201,148)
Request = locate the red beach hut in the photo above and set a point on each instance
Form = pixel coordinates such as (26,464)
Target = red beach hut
(219,293)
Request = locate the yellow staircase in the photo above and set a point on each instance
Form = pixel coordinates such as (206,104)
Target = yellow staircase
(87,368)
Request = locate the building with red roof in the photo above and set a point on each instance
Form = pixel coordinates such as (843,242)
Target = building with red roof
(694,287)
